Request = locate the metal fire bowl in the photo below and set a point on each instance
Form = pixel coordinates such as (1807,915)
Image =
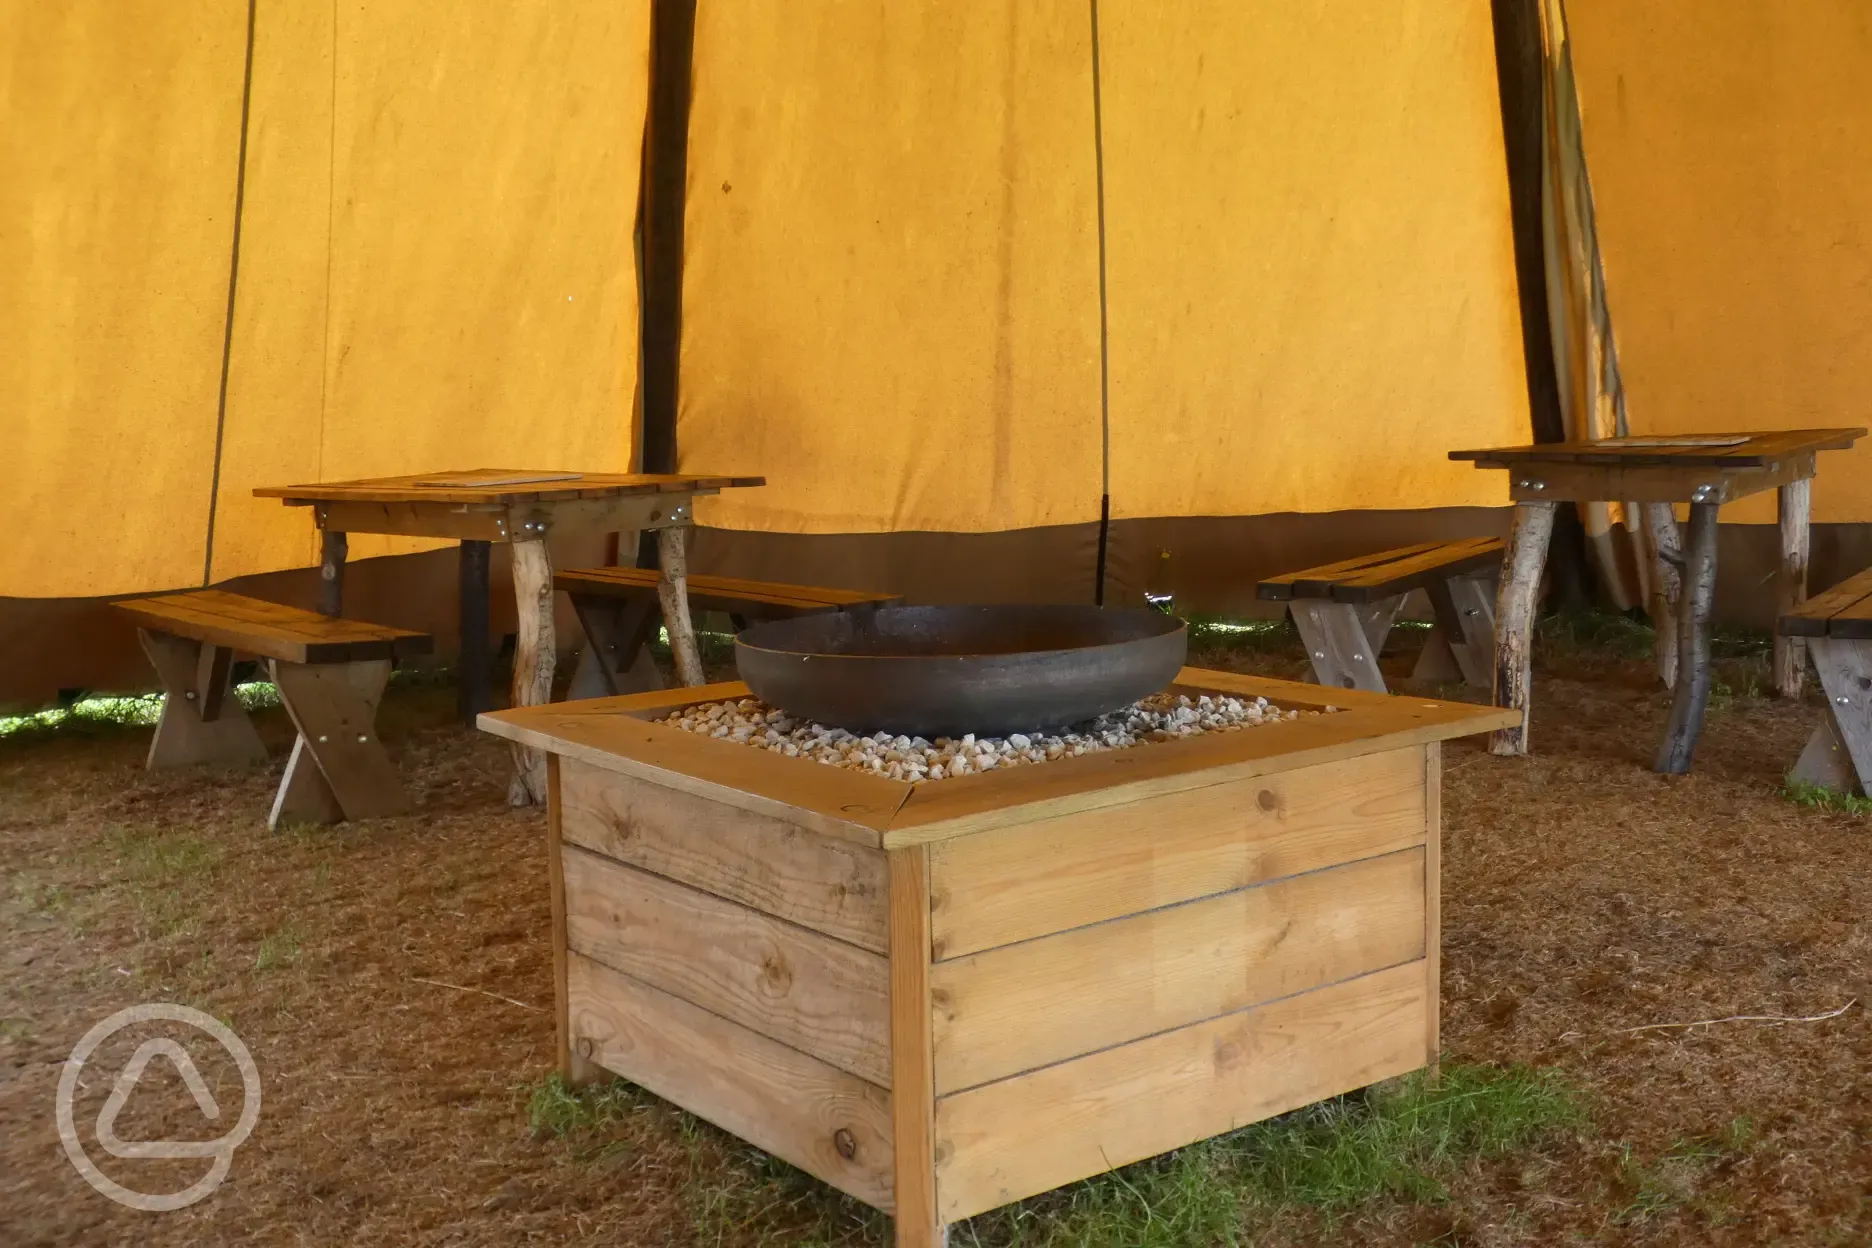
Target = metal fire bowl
(946,671)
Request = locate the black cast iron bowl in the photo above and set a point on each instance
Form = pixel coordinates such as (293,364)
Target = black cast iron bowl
(946,671)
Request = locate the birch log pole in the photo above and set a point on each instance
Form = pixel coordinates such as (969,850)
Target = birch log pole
(1790,653)
(1514,619)
(673,595)
(1666,586)
(1693,643)
(534,656)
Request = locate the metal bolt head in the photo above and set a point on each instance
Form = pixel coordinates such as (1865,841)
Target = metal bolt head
(1358,658)
(362,738)
(321,740)
(1842,699)
(189,695)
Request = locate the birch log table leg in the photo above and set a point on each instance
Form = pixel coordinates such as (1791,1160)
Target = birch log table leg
(534,656)
(333,548)
(673,595)
(1666,586)
(1790,653)
(474,682)
(1514,618)
(1691,695)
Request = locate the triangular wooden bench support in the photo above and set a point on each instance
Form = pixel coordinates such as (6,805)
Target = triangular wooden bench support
(1344,640)
(1839,754)
(200,722)
(338,769)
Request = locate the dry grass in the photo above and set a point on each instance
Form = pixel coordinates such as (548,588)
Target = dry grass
(1583,896)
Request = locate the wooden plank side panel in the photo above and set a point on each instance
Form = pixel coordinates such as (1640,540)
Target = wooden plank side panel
(1016,883)
(832,800)
(1018,1137)
(780,868)
(1372,724)
(810,992)
(1043,1001)
(833,1125)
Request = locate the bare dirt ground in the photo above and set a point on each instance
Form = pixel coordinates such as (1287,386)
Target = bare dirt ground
(1584,898)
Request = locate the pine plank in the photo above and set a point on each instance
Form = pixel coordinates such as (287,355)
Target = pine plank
(1017,883)
(777,867)
(270,629)
(919,1222)
(1019,1137)
(808,991)
(1024,1006)
(1842,611)
(833,1125)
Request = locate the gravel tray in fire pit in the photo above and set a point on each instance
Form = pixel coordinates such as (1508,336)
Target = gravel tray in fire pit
(1162,717)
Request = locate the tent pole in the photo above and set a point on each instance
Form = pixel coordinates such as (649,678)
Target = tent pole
(662,185)
(1519,74)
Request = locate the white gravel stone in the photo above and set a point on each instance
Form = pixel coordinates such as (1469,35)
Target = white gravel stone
(1165,717)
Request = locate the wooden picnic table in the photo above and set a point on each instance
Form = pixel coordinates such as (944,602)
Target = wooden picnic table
(1703,470)
(520,507)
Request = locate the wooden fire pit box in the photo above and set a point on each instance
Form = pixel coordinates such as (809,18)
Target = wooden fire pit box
(945,998)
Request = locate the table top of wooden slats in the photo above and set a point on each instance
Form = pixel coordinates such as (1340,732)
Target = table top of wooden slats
(1845,611)
(270,629)
(499,487)
(1720,451)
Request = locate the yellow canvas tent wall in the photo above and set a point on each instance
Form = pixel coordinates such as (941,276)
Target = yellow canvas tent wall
(435,265)
(952,275)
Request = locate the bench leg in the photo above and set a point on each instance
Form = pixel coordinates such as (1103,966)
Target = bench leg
(1341,652)
(673,594)
(1840,754)
(200,722)
(535,644)
(616,658)
(1461,645)
(1523,561)
(1790,653)
(338,766)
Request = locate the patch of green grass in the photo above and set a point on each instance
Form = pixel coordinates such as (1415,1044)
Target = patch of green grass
(1681,1179)
(559,1111)
(160,858)
(1400,1141)
(277,949)
(1816,797)
(38,897)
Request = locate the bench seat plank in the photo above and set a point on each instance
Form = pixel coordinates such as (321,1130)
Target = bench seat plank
(1844,611)
(1318,582)
(716,593)
(1458,558)
(272,630)
(1375,577)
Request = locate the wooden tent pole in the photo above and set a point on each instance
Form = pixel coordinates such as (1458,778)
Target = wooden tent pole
(662,189)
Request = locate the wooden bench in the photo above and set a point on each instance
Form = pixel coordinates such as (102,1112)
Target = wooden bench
(620,612)
(1836,628)
(1344,611)
(330,674)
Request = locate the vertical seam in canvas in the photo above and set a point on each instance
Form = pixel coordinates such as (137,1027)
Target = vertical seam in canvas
(1098,167)
(227,333)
